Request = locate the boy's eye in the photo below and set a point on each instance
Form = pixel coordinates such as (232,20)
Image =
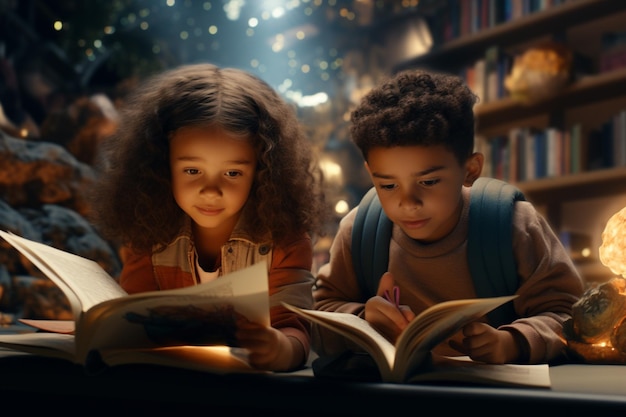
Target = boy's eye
(387,186)
(430,183)
(191,171)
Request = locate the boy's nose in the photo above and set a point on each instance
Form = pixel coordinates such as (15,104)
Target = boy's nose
(411,199)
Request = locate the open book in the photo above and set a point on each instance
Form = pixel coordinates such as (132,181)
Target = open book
(191,327)
(408,360)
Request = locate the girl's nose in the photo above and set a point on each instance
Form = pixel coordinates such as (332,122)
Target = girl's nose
(209,188)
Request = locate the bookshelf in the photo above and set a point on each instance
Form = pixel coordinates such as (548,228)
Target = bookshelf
(520,31)
(592,98)
(587,89)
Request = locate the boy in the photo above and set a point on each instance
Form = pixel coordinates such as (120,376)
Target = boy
(416,135)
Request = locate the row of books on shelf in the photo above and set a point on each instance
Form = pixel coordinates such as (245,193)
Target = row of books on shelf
(526,154)
(464,17)
(485,76)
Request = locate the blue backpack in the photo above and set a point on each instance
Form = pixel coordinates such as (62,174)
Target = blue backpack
(489,244)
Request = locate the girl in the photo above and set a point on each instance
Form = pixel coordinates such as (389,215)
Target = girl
(210,172)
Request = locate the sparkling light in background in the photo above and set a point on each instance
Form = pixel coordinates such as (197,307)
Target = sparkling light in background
(296,43)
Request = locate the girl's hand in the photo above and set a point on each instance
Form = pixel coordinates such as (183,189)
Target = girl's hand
(483,343)
(269,348)
(384,315)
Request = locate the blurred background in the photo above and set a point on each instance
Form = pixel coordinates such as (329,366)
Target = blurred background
(319,54)
(67,65)
(551,73)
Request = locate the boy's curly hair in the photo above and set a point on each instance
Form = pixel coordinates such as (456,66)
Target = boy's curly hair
(416,108)
(133,203)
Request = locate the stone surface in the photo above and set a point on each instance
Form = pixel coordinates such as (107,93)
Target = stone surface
(42,198)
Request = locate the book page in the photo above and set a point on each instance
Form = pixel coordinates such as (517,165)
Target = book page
(357,330)
(451,316)
(214,359)
(203,314)
(83,281)
(54,326)
(464,370)
(52,345)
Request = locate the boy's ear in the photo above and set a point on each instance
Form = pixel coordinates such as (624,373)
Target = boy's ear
(473,168)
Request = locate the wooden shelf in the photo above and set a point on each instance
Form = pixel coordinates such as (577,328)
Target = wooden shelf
(517,31)
(588,89)
(581,186)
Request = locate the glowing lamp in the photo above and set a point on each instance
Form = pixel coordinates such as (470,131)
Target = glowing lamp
(613,248)
(597,330)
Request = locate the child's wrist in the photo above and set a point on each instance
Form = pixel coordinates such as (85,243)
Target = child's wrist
(521,347)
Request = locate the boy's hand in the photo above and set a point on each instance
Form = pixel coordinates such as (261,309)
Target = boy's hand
(270,349)
(390,320)
(483,343)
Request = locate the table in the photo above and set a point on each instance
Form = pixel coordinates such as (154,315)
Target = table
(43,385)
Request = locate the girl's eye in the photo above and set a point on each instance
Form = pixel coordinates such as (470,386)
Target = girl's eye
(430,183)
(233,174)
(191,171)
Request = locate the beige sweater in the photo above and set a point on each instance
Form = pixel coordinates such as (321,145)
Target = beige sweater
(431,273)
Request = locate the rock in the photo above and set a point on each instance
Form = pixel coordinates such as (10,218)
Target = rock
(39,172)
(42,198)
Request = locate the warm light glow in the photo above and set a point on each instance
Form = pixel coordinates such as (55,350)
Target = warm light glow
(613,249)
(332,171)
(342,207)
(306,101)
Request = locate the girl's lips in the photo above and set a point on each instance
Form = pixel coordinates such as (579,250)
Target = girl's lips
(210,211)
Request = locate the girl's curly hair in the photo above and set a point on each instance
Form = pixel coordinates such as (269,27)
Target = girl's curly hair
(416,108)
(133,203)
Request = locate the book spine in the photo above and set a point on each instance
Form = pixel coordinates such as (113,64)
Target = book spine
(529,153)
(541,153)
(576,149)
(567,152)
(514,155)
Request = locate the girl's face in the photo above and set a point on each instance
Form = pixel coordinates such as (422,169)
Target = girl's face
(212,174)
(419,187)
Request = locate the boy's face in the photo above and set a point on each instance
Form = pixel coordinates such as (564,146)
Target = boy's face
(420,187)
(212,174)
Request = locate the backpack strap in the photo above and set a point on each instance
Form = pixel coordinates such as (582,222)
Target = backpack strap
(490,242)
(371,234)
